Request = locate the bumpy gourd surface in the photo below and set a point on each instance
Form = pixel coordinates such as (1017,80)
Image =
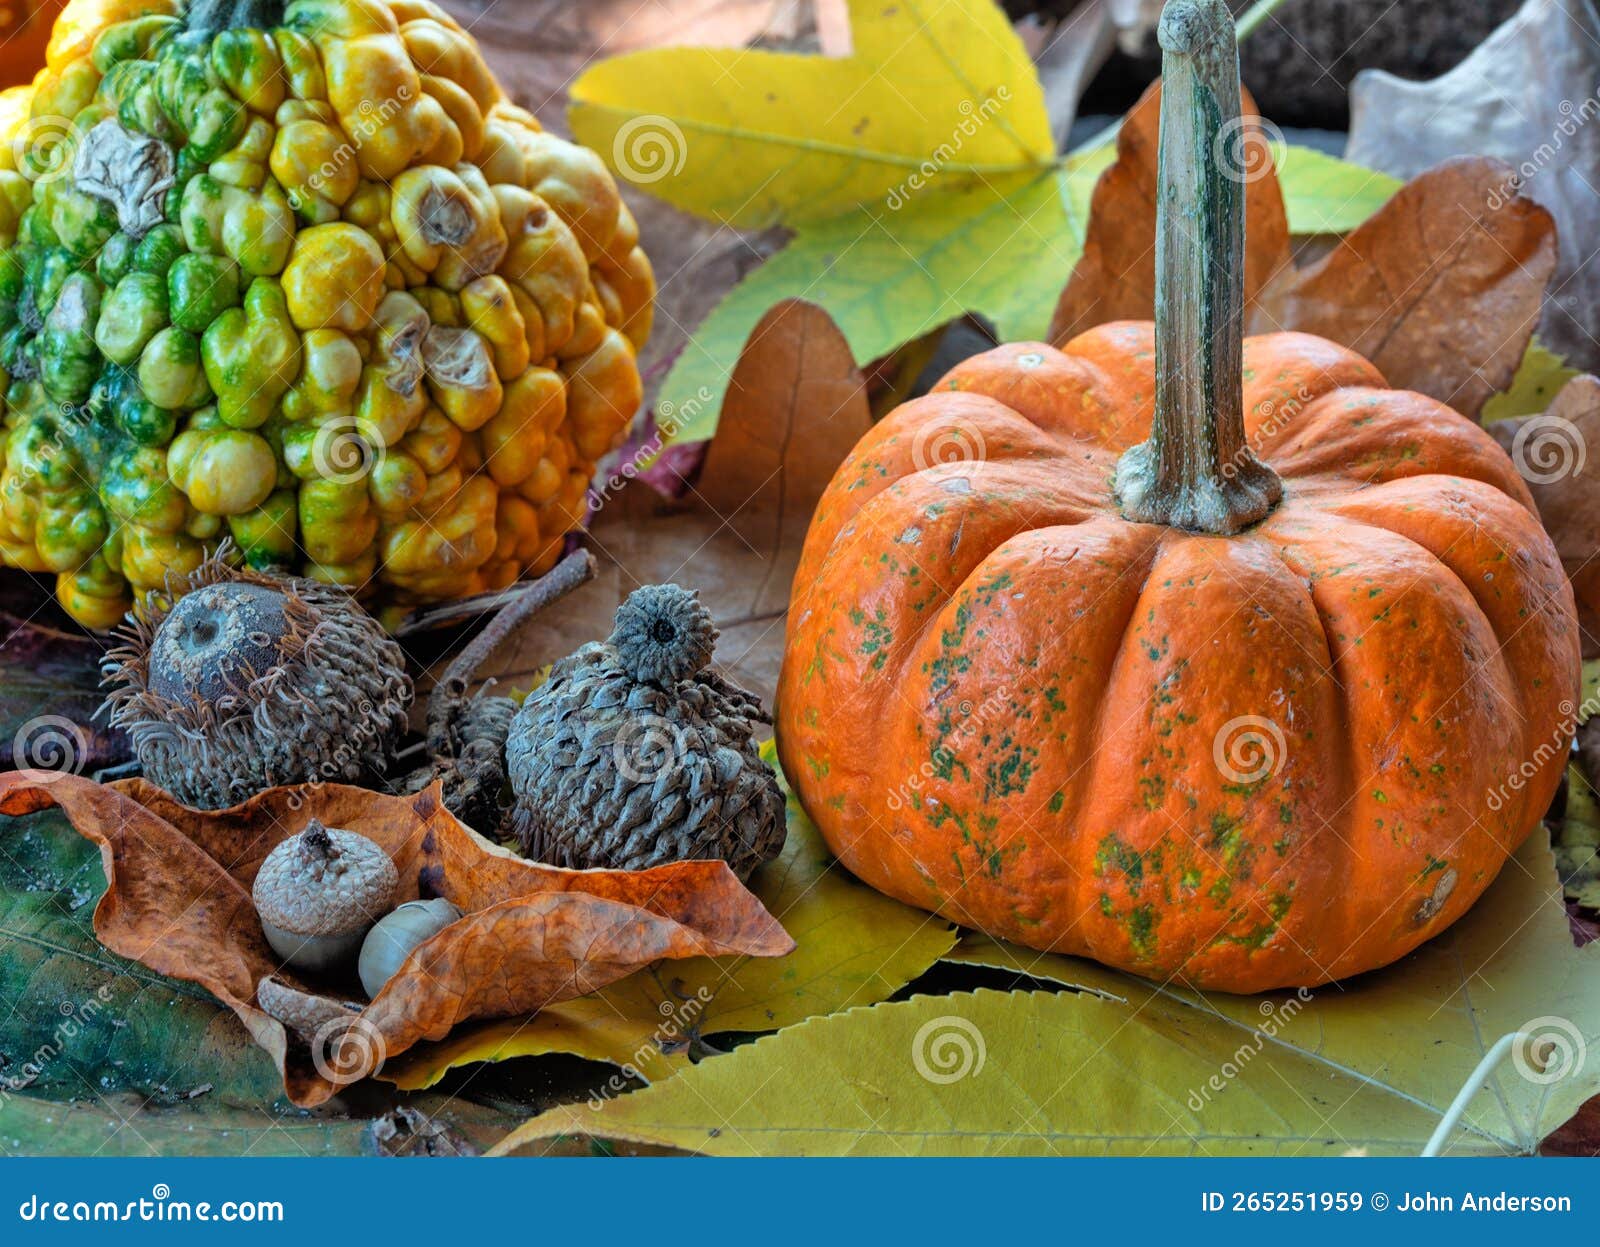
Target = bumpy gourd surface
(319,287)
(1258,761)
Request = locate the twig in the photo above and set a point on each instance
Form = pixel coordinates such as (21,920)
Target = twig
(449,694)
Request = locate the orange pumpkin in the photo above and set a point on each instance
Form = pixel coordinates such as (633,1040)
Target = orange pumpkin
(1265,700)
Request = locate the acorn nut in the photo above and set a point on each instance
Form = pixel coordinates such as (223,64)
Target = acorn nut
(390,942)
(319,893)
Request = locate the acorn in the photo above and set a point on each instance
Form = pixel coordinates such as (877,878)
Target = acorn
(635,753)
(395,937)
(319,893)
(242,680)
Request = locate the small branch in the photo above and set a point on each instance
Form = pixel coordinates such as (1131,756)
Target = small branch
(449,694)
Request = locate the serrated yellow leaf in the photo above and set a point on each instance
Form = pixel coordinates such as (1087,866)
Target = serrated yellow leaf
(1130,1067)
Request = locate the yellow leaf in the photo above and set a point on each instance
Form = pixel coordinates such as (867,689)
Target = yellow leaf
(854,947)
(918,173)
(1129,1067)
(934,89)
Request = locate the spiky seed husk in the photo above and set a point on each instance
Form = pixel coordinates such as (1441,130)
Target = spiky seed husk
(262,680)
(618,761)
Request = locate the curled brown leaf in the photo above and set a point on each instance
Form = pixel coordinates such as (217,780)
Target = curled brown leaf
(178,901)
(1441,288)
(1551,451)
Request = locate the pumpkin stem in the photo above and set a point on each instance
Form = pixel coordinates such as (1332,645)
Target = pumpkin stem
(1196,471)
(204,18)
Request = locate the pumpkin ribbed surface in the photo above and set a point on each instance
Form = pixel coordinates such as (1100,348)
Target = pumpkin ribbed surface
(304,277)
(1269,759)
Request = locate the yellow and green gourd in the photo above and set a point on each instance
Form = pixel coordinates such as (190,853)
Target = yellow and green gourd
(300,276)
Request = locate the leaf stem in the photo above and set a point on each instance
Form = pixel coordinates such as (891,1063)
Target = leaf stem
(1255,15)
(1470,1088)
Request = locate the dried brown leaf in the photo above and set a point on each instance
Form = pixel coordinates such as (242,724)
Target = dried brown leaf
(1441,288)
(1551,452)
(178,901)
(1484,106)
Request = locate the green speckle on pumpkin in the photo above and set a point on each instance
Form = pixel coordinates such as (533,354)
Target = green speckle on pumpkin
(1141,927)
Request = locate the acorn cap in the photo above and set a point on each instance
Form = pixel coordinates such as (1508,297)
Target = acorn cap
(663,635)
(218,638)
(325,881)
(240,680)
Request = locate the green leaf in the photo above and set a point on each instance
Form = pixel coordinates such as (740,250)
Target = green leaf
(1123,1066)
(854,947)
(1002,249)
(125,1125)
(1538,380)
(1325,195)
(121,1126)
(80,1021)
